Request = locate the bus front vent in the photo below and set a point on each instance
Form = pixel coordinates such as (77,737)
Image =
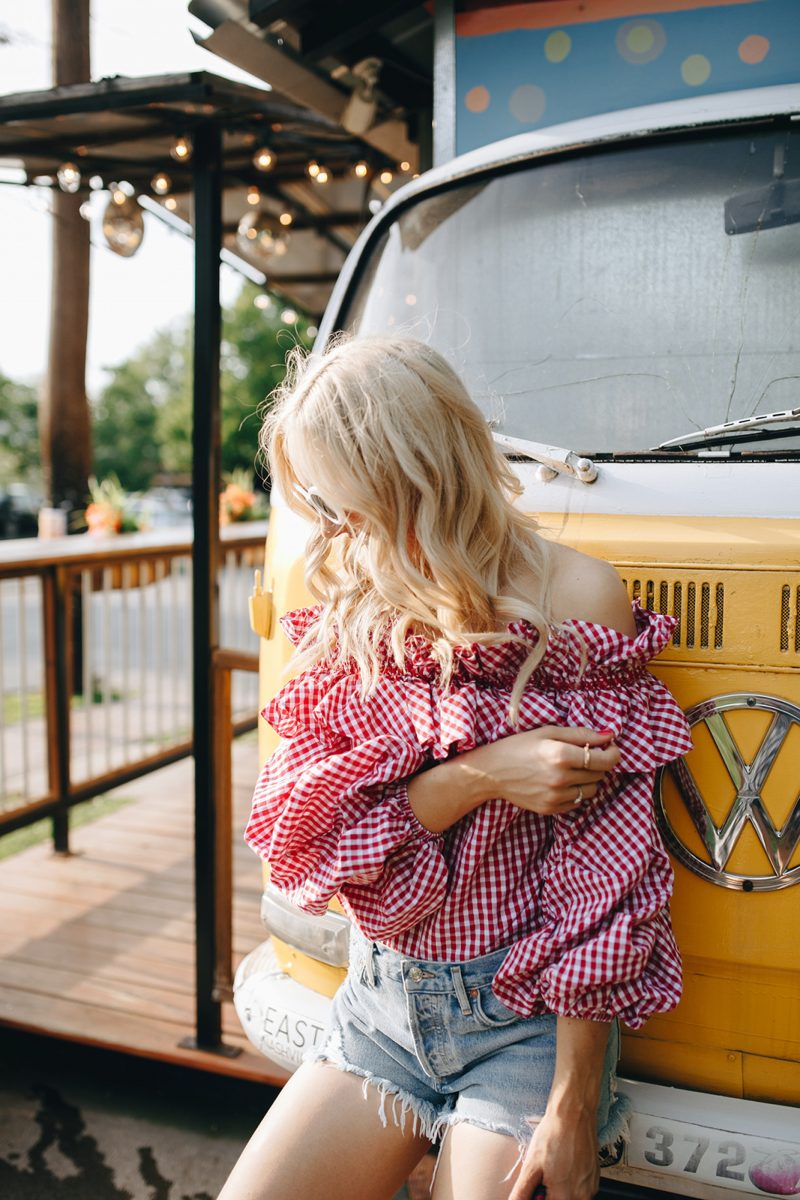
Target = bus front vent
(699,608)
(790,619)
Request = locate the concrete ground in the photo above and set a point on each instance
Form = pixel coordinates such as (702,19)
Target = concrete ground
(77,1123)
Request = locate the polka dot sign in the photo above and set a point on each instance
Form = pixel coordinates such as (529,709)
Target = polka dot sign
(516,73)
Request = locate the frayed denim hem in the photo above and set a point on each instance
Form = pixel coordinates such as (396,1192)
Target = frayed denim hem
(617,1127)
(392,1099)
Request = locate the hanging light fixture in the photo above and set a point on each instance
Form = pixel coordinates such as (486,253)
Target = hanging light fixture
(261,236)
(123,223)
(361,169)
(386,176)
(286,218)
(181,149)
(323,175)
(171,203)
(312,169)
(264,159)
(69,177)
(161,183)
(253,195)
(359,112)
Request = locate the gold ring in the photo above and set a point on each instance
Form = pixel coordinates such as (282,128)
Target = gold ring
(587,757)
(579,796)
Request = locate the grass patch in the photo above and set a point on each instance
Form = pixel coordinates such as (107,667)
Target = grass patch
(42,831)
(16,707)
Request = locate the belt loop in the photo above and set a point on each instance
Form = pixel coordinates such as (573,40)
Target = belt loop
(461,991)
(369,965)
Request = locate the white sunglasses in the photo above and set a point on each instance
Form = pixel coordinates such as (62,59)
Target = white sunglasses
(320,506)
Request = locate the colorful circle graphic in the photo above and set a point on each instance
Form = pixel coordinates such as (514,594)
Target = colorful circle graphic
(557,46)
(754,49)
(695,70)
(641,41)
(477,99)
(527,103)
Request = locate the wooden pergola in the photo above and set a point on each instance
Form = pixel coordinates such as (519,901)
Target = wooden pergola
(124,130)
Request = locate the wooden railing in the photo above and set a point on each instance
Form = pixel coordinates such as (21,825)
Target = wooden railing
(95,663)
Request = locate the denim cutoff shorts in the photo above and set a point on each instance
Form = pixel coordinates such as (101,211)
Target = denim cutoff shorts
(440,1048)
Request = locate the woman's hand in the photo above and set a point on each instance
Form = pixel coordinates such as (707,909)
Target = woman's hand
(547,770)
(561,1160)
(541,770)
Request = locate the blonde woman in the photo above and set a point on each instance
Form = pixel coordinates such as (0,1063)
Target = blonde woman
(467,763)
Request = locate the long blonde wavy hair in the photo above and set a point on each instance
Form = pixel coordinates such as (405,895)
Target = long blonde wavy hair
(385,431)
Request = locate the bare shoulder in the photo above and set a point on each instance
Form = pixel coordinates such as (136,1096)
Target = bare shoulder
(588,589)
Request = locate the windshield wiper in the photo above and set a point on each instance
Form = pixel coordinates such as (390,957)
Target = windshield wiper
(734,431)
(554,459)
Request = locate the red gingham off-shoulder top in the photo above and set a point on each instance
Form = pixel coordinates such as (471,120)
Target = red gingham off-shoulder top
(581,899)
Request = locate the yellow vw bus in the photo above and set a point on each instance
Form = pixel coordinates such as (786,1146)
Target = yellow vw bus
(622,296)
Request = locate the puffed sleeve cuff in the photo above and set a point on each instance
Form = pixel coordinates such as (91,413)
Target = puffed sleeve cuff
(413,873)
(605,948)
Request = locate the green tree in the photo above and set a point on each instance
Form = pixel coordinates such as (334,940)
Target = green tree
(129,412)
(255,342)
(143,417)
(19,433)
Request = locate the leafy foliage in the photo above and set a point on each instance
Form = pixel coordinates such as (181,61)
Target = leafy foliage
(19,434)
(142,419)
(151,394)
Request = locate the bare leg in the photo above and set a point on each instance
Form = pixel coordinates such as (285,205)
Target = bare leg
(473,1164)
(322,1140)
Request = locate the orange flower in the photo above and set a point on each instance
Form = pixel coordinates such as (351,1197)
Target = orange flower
(103,518)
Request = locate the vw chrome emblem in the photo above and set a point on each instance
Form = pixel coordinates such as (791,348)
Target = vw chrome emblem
(748,779)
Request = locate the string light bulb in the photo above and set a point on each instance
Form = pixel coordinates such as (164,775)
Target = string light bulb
(286,218)
(312,169)
(261,236)
(123,224)
(323,175)
(69,177)
(161,183)
(386,176)
(253,195)
(264,159)
(361,169)
(170,203)
(181,149)
(405,166)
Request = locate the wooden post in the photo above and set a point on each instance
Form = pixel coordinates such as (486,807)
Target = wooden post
(64,414)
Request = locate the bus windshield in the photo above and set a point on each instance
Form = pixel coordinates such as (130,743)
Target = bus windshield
(612,300)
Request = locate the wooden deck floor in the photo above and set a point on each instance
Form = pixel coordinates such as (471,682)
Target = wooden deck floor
(99,947)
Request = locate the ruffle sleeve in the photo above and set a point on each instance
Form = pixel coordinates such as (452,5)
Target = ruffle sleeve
(330,811)
(604,947)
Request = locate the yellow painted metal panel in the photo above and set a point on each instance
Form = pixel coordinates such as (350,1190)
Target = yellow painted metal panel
(707,1068)
(735,587)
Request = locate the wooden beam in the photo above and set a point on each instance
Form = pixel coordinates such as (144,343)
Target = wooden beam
(337,25)
(291,78)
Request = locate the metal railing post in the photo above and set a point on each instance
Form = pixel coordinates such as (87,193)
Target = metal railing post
(58,652)
(205,630)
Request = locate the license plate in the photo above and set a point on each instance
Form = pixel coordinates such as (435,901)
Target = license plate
(755,1166)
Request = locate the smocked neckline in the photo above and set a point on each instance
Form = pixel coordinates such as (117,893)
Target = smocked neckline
(576,648)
